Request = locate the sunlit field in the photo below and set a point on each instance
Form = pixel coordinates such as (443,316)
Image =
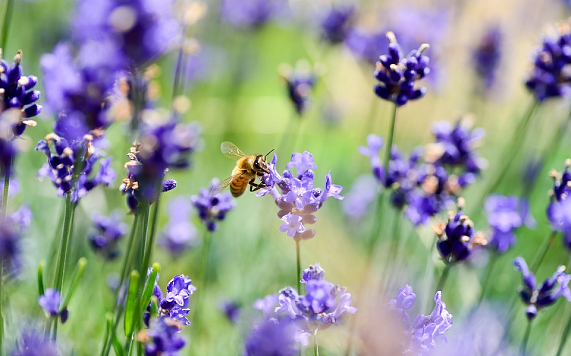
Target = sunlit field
(214,178)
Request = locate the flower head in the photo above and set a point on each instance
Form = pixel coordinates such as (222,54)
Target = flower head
(10,246)
(249,13)
(457,238)
(161,148)
(162,338)
(34,343)
(296,196)
(559,208)
(212,209)
(505,215)
(397,74)
(276,337)
(336,23)
(299,83)
(106,234)
(487,55)
(314,272)
(550,77)
(179,234)
(50,302)
(536,298)
(174,303)
(62,161)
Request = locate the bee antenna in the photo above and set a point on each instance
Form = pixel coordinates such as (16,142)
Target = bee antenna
(266,156)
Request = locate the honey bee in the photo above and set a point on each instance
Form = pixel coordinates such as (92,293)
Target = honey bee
(248,168)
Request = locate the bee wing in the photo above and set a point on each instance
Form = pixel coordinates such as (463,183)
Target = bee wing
(223,185)
(230,150)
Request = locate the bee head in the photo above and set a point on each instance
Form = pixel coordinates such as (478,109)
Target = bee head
(261,164)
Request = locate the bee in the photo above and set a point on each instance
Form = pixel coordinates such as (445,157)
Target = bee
(248,168)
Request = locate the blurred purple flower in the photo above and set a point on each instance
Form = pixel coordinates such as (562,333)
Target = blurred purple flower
(33,342)
(337,23)
(550,77)
(487,56)
(230,309)
(559,208)
(179,234)
(358,200)
(272,337)
(300,81)
(107,233)
(50,302)
(10,246)
(251,14)
(505,215)
(548,292)
(212,209)
(162,338)
(365,45)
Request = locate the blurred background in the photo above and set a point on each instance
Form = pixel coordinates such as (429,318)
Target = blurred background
(236,93)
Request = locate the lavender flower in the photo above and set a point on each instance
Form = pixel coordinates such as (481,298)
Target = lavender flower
(297,198)
(251,14)
(457,238)
(357,202)
(559,208)
(106,234)
(365,45)
(455,149)
(299,82)
(397,74)
(230,309)
(336,24)
(162,338)
(548,292)
(17,95)
(138,30)
(61,166)
(505,215)
(10,247)
(50,302)
(486,57)
(550,77)
(321,307)
(179,234)
(422,334)
(312,273)
(272,337)
(34,343)
(174,303)
(212,209)
(162,147)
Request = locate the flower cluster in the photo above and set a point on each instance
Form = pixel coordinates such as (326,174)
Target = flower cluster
(559,208)
(212,209)
(427,184)
(297,197)
(548,292)
(273,337)
(17,94)
(299,83)
(422,334)
(457,238)
(71,165)
(162,338)
(487,55)
(320,307)
(135,31)
(550,77)
(174,304)
(50,302)
(33,342)
(248,13)
(357,202)
(106,233)
(179,234)
(336,25)
(398,74)
(161,148)
(505,215)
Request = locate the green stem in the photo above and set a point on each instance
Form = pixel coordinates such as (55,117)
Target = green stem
(375,232)
(538,259)
(153,233)
(564,335)
(64,249)
(176,90)
(488,275)
(1,307)
(286,135)
(204,273)
(6,23)
(525,338)
(118,306)
(393,251)
(428,277)
(443,277)
(298,262)
(315,345)
(5,195)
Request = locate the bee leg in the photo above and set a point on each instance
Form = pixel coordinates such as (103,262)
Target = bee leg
(254,187)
